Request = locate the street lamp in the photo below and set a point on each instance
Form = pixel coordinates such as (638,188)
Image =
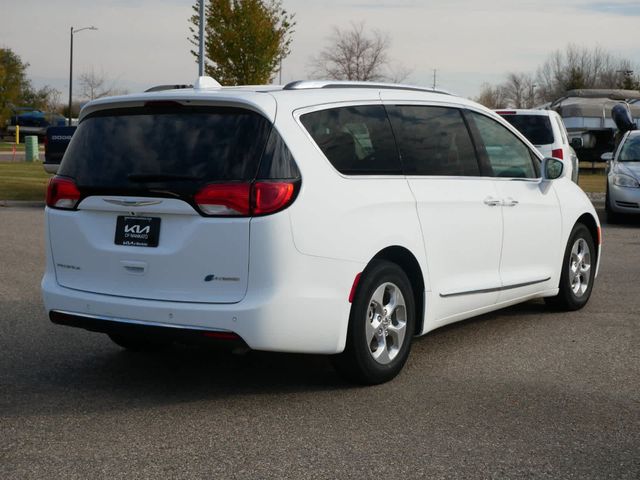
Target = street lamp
(74,30)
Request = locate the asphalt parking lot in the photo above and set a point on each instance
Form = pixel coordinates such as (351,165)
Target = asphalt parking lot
(521,393)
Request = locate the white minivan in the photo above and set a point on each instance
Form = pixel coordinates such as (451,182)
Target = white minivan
(320,217)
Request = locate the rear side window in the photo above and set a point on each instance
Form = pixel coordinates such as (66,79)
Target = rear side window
(537,128)
(166,148)
(505,153)
(434,141)
(356,140)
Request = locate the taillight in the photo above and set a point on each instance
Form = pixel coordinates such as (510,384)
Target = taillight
(226,199)
(62,193)
(244,199)
(557,153)
(269,197)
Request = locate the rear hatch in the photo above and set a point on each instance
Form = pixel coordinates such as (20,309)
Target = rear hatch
(537,129)
(137,230)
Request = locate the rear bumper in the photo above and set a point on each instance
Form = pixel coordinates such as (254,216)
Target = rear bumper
(51,167)
(294,302)
(147,330)
(310,315)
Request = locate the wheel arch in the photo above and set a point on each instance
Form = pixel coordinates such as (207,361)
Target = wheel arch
(406,260)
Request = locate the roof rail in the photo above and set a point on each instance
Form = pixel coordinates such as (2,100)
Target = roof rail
(311,84)
(159,88)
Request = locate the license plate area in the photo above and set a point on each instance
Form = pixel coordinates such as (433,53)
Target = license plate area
(137,231)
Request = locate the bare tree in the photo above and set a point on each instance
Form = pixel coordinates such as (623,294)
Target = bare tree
(355,54)
(95,85)
(52,98)
(491,97)
(519,91)
(579,67)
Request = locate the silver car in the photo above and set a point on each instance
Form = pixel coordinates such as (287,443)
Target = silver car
(623,178)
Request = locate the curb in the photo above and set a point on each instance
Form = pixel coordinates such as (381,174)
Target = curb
(21,203)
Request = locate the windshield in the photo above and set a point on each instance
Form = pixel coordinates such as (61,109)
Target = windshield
(630,150)
(172,148)
(537,128)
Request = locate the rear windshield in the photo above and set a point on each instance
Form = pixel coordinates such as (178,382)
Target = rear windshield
(537,128)
(174,148)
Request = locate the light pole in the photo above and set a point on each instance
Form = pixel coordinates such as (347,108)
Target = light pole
(74,30)
(201,21)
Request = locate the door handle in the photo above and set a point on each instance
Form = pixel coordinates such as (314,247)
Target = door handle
(492,202)
(509,202)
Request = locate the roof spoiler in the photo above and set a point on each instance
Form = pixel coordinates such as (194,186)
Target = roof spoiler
(160,88)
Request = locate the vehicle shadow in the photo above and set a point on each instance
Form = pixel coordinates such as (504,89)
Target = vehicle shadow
(110,378)
(82,372)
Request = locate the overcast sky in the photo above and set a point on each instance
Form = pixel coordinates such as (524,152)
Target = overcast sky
(145,42)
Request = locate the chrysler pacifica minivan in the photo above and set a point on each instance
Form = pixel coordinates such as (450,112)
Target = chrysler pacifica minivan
(332,218)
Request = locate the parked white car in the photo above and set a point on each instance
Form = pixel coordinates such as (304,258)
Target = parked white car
(322,217)
(545,129)
(623,178)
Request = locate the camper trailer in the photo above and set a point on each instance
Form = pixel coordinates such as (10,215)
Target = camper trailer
(587,116)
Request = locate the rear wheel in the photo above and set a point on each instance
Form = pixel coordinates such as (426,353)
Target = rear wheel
(138,344)
(578,271)
(381,325)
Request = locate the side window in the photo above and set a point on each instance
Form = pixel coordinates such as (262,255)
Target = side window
(433,141)
(357,140)
(506,154)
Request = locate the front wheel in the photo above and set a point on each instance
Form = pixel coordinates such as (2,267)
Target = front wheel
(578,271)
(381,325)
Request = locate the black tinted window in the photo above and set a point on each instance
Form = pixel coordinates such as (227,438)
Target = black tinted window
(356,140)
(277,161)
(171,148)
(537,128)
(434,141)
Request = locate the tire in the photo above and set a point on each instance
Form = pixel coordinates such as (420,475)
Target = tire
(138,344)
(578,271)
(379,336)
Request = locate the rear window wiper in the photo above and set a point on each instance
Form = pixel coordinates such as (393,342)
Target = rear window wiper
(158,177)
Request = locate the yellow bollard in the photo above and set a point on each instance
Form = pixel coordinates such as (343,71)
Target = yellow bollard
(17,134)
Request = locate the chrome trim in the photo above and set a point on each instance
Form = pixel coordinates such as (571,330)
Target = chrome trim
(495,289)
(132,203)
(314,84)
(138,322)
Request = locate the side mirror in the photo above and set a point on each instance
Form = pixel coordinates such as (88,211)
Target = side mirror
(552,168)
(606,157)
(576,142)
